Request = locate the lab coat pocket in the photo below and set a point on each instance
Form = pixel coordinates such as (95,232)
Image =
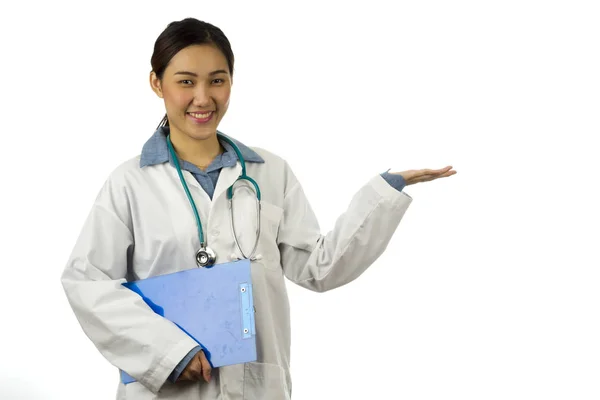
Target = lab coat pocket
(264,382)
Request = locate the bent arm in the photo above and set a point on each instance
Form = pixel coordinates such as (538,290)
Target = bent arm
(361,234)
(120,324)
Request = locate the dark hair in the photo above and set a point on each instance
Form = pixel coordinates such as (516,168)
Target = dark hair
(181,34)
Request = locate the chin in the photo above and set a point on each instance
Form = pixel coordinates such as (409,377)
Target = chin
(201,134)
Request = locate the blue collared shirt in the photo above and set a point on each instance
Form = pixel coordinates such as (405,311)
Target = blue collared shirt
(155,151)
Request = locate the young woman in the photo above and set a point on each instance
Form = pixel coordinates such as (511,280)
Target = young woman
(166,210)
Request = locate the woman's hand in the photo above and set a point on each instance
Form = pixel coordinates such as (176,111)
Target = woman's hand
(424,175)
(197,368)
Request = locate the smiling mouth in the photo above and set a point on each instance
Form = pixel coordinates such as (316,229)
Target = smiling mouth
(201,117)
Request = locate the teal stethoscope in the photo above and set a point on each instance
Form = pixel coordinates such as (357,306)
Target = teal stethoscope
(205,257)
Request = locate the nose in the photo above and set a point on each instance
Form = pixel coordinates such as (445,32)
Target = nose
(202,96)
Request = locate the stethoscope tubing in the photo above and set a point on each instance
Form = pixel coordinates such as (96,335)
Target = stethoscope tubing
(205,257)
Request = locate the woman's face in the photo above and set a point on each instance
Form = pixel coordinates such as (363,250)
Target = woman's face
(195,87)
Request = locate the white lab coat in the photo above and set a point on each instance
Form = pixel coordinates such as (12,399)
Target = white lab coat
(142,225)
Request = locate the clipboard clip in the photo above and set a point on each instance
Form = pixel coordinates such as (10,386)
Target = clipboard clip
(248,310)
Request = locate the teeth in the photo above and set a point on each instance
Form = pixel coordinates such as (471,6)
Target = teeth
(201,116)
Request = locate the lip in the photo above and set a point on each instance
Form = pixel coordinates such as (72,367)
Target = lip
(201,120)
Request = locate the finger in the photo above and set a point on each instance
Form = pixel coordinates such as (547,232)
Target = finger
(438,171)
(195,369)
(427,178)
(423,178)
(446,174)
(206,369)
(419,174)
(187,374)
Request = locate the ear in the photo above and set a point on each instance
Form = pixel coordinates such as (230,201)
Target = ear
(155,84)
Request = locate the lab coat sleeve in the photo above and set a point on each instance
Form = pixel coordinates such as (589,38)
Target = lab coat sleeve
(183,364)
(119,323)
(361,234)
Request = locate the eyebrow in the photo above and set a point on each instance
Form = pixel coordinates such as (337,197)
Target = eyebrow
(220,71)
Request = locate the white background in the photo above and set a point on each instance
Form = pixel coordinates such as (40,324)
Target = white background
(490,286)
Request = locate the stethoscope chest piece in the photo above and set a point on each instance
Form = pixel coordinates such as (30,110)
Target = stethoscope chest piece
(205,257)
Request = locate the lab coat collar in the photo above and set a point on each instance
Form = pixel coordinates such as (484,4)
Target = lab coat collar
(155,150)
(227,177)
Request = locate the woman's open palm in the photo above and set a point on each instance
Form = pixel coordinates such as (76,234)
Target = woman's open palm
(424,175)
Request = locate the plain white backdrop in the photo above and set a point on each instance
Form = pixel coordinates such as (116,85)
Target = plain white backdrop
(489,288)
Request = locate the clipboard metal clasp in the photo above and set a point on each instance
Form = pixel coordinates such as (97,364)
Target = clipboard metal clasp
(248,326)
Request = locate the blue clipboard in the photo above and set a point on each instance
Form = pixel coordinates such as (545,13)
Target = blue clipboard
(214,306)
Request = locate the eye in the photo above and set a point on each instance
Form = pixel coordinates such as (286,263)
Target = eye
(185,80)
(215,80)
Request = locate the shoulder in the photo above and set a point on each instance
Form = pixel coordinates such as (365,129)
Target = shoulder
(277,168)
(116,194)
(268,156)
(274,163)
(120,183)
(125,171)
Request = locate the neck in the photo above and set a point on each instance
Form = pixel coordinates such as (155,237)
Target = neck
(200,152)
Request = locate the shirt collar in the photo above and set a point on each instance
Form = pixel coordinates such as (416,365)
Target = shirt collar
(156,151)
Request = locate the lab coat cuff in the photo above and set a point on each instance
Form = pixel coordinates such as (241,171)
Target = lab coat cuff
(183,364)
(400,199)
(159,375)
